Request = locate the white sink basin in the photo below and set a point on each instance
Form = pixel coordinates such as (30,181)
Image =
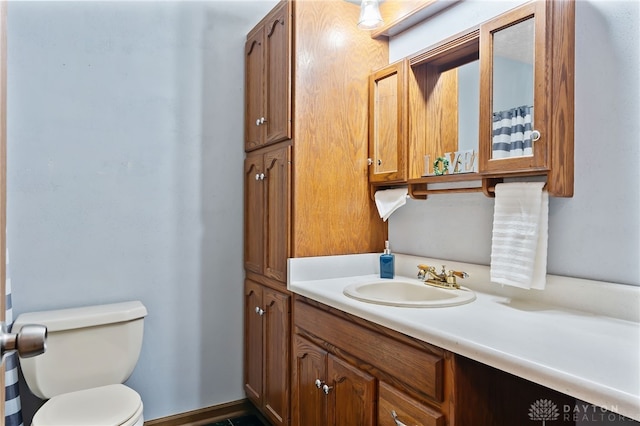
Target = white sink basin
(409,293)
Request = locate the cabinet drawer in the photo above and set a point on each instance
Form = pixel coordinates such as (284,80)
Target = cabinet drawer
(407,410)
(407,365)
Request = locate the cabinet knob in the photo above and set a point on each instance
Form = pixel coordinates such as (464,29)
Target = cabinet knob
(263,120)
(369,161)
(379,162)
(319,383)
(395,418)
(258,122)
(262,176)
(259,311)
(535,135)
(326,389)
(257,176)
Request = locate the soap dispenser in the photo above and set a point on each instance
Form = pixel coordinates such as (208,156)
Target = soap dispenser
(387,267)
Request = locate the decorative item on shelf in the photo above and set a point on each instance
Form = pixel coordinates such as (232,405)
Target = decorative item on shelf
(370,17)
(462,161)
(452,163)
(427,165)
(439,171)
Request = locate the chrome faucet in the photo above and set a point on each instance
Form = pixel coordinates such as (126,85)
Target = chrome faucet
(445,279)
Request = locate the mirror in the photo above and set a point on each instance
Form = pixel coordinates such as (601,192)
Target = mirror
(513,88)
(468,105)
(451,91)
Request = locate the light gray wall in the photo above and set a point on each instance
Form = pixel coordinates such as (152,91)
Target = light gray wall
(125,148)
(596,233)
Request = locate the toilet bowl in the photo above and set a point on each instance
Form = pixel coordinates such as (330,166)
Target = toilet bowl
(91,351)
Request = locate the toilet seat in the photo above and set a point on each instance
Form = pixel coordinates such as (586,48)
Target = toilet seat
(111,405)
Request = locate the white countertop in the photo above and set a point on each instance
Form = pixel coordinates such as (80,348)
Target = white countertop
(579,337)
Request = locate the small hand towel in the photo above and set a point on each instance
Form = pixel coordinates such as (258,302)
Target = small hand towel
(520,233)
(389,200)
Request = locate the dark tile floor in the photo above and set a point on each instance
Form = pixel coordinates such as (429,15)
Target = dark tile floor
(239,421)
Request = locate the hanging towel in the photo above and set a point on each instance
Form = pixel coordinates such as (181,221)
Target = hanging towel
(390,200)
(520,232)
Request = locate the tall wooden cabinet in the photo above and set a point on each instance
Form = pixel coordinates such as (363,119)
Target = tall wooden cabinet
(267,202)
(267,337)
(305,173)
(267,80)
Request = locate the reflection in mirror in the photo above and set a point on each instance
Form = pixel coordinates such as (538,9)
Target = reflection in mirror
(468,106)
(513,87)
(453,130)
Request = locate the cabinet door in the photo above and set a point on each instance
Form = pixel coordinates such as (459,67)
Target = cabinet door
(254,130)
(278,74)
(277,199)
(309,404)
(514,92)
(388,124)
(395,407)
(277,320)
(253,348)
(254,213)
(352,397)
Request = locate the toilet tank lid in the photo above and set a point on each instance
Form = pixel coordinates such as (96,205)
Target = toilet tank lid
(89,316)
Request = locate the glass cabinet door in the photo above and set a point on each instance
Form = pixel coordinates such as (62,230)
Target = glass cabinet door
(514,136)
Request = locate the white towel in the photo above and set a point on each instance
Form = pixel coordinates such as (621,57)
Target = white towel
(520,232)
(389,200)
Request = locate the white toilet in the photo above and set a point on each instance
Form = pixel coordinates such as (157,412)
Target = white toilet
(90,352)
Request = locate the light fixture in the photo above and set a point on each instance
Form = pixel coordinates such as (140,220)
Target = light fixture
(370,18)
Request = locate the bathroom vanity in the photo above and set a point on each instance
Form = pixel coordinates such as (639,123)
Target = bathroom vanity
(487,362)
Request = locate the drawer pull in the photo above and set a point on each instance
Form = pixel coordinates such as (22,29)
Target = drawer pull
(395,418)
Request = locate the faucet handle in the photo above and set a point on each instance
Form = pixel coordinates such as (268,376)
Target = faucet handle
(459,274)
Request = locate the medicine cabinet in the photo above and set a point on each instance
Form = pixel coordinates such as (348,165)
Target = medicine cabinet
(388,124)
(493,102)
(527,94)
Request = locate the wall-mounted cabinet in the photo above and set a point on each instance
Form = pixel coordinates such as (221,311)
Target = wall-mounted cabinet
(527,94)
(388,124)
(493,102)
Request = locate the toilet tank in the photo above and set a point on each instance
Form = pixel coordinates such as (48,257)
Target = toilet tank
(86,347)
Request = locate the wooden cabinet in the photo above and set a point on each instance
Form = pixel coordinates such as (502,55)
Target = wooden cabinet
(329,210)
(306,190)
(396,407)
(329,391)
(342,373)
(267,337)
(267,195)
(377,376)
(388,124)
(493,102)
(268,80)
(527,94)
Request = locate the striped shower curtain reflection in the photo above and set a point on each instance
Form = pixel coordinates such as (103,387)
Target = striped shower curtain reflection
(12,407)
